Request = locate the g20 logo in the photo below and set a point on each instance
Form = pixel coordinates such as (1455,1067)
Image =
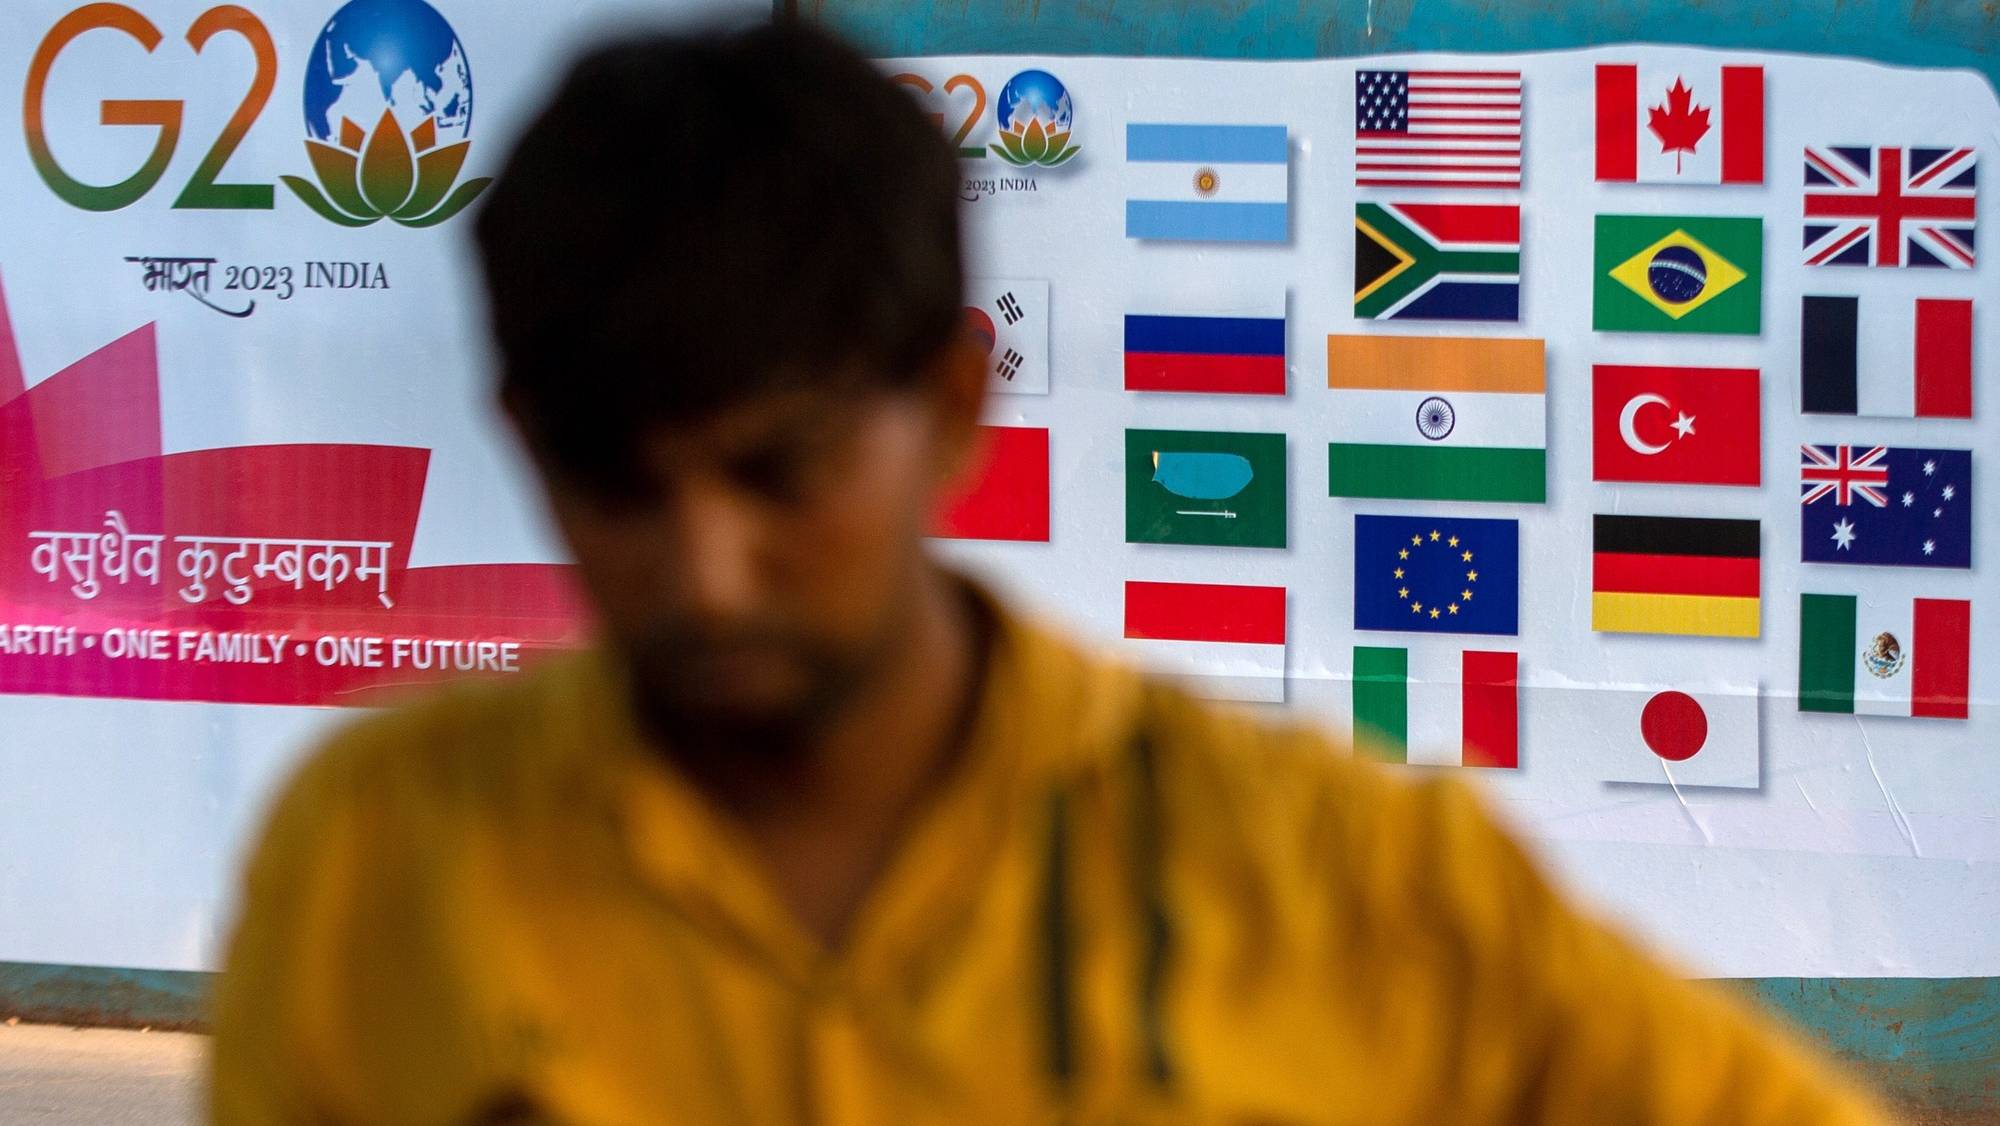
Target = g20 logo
(376,65)
(1034,115)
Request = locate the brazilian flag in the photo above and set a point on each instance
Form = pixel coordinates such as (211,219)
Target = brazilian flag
(1679,273)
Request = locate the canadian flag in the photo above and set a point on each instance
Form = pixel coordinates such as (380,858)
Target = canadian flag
(1659,124)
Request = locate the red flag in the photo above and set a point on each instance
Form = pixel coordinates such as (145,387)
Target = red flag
(1680,121)
(1691,426)
(1004,494)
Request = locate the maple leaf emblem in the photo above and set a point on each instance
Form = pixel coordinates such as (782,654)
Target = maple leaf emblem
(1678,123)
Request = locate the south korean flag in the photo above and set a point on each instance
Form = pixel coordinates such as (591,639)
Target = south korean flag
(1010,316)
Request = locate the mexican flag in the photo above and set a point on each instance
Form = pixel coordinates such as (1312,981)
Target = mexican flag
(1437,707)
(1895,657)
(1437,418)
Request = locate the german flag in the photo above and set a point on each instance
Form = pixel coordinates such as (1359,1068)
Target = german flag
(1670,574)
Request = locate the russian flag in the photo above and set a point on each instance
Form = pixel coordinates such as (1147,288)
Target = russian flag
(1221,355)
(1207,183)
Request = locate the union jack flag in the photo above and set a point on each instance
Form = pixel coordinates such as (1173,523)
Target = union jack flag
(1838,473)
(1887,206)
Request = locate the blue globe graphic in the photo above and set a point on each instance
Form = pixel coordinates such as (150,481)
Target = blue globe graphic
(1677,274)
(1030,95)
(398,55)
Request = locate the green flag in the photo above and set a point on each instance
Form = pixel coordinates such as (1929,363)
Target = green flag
(1205,487)
(1679,273)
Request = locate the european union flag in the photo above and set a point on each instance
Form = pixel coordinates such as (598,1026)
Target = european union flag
(1885,505)
(1427,574)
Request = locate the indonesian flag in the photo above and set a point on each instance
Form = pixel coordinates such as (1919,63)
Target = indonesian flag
(1673,124)
(1220,641)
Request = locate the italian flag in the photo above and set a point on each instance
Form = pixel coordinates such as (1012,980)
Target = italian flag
(1220,641)
(1437,707)
(1896,657)
(1437,418)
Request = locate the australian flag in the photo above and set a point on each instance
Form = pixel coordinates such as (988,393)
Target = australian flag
(1885,506)
(1427,574)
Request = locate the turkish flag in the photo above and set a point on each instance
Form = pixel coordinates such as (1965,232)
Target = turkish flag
(1675,425)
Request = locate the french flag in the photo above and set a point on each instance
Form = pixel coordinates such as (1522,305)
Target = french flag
(1213,355)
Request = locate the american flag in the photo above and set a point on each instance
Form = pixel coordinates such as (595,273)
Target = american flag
(1450,128)
(1890,206)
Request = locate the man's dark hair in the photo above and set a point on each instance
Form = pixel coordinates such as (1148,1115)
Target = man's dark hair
(695,220)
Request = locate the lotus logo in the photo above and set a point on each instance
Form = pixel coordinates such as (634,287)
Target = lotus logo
(1034,116)
(387,62)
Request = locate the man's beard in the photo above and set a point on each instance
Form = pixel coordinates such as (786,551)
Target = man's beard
(681,703)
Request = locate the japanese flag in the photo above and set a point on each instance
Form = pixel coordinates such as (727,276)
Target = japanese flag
(1682,735)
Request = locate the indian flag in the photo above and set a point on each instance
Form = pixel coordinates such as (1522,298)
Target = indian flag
(1437,418)
(1893,657)
(1220,641)
(1437,707)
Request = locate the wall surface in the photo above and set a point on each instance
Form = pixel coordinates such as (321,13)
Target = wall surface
(1934,1044)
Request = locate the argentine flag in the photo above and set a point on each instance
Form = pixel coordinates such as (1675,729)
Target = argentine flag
(1207,183)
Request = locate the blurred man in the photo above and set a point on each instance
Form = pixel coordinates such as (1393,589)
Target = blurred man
(823,832)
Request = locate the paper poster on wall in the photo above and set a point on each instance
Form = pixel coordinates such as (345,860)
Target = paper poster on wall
(341,436)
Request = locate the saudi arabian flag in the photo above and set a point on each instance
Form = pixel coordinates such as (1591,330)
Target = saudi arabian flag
(1437,707)
(1678,273)
(1895,656)
(1210,487)
(1437,418)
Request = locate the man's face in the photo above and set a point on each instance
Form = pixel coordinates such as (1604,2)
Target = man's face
(767,562)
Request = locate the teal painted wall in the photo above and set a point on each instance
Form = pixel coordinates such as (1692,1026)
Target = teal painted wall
(1932,1044)
(1951,33)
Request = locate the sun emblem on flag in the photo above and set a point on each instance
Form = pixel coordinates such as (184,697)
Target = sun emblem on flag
(1206,181)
